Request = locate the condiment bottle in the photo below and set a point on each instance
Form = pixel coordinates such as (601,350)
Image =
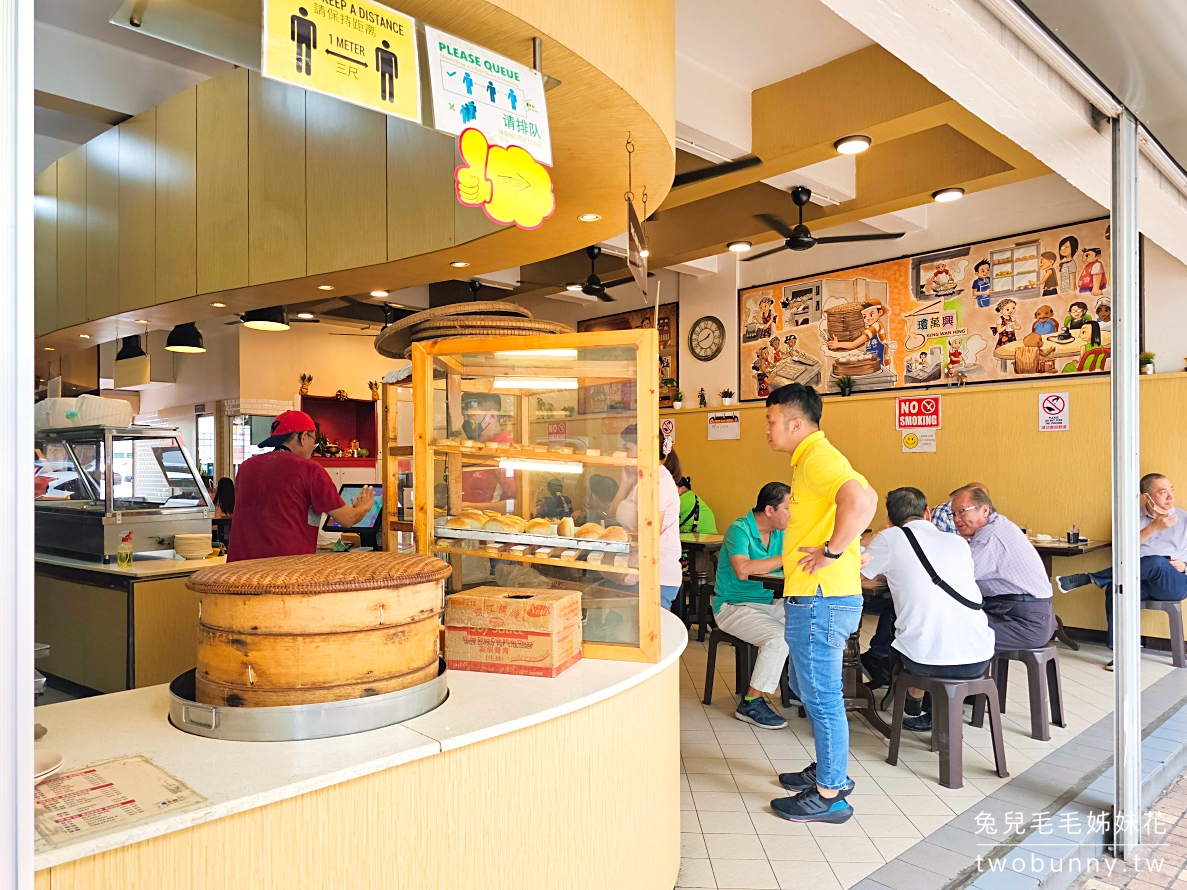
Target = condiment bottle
(124,552)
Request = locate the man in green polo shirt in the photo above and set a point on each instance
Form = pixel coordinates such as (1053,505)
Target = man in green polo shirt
(831,504)
(745,609)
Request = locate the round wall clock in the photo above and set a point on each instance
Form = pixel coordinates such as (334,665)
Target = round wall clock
(706,338)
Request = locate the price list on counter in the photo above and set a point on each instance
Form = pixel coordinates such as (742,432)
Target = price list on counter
(104,796)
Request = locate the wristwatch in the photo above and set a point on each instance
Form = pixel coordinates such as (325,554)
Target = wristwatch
(827,555)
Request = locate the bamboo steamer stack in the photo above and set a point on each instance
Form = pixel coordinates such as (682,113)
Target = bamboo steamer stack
(845,322)
(482,318)
(297,630)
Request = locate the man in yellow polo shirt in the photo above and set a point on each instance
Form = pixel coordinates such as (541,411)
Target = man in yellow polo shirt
(831,505)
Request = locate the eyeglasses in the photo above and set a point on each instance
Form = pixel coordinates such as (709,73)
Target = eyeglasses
(956,513)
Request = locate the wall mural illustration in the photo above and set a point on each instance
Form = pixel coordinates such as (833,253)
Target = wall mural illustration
(1025,305)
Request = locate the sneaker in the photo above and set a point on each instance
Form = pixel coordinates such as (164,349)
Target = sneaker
(809,806)
(1071,582)
(1109,666)
(759,713)
(913,706)
(806,778)
(877,669)
(922,723)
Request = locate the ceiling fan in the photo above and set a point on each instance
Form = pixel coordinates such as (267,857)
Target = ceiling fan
(594,286)
(798,237)
(714,170)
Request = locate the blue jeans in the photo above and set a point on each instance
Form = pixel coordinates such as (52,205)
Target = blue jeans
(667,595)
(817,630)
(1160,581)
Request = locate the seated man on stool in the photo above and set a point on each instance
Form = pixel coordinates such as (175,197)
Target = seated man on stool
(1010,573)
(747,610)
(1163,551)
(936,635)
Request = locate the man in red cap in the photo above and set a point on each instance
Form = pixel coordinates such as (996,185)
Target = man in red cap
(280,496)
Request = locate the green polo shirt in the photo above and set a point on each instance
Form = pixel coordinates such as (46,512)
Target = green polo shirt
(691,505)
(742,537)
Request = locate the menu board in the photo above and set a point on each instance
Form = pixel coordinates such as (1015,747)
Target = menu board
(106,796)
(1031,305)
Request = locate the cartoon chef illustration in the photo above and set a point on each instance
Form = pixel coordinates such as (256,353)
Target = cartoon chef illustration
(761,369)
(873,337)
(766,319)
(955,356)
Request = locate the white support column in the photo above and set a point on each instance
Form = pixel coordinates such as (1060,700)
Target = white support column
(1127,807)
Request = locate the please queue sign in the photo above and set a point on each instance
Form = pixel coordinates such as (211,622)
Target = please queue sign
(917,413)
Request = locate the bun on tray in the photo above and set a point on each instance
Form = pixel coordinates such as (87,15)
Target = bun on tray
(615,533)
(539,527)
(457,522)
(565,527)
(589,530)
(499,525)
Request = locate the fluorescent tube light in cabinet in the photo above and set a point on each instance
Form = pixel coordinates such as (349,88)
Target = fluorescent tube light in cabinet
(537,353)
(535,383)
(543,466)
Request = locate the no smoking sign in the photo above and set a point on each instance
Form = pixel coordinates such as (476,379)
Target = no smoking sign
(1054,408)
(917,413)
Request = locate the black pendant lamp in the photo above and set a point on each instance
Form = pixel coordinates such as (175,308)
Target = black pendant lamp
(274,318)
(131,347)
(185,338)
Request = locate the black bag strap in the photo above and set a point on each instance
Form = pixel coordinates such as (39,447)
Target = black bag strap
(936,579)
(695,513)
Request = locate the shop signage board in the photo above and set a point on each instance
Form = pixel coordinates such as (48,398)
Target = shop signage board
(510,186)
(1054,412)
(360,52)
(919,442)
(475,88)
(725,425)
(917,413)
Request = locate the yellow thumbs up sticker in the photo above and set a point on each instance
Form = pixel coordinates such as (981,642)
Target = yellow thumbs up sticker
(509,184)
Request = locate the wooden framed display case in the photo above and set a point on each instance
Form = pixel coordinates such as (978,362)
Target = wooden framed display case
(536,462)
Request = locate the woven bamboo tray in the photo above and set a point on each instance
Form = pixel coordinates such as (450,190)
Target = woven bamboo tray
(395,338)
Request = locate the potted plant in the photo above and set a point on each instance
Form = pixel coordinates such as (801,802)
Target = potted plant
(1146,362)
(845,385)
(678,399)
(668,383)
(727,397)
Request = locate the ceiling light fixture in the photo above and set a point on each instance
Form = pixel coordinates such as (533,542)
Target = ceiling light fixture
(379,293)
(573,287)
(739,246)
(48,348)
(274,318)
(305,315)
(185,338)
(459,264)
(131,348)
(142,321)
(85,336)
(589,217)
(219,305)
(645,253)
(852,145)
(947,196)
(325,287)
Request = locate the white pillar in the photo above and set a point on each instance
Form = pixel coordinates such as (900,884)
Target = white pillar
(1127,809)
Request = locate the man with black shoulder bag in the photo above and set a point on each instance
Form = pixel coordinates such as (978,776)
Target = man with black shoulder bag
(941,629)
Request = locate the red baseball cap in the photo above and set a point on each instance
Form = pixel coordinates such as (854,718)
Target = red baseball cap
(285,425)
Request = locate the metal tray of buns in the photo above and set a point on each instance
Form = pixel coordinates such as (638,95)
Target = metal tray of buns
(477,534)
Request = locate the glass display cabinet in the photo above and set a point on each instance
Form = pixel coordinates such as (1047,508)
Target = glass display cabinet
(95,484)
(539,458)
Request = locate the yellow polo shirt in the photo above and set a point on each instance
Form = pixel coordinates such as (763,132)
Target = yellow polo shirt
(818,471)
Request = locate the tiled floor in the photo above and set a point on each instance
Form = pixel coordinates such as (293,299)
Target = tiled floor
(732,841)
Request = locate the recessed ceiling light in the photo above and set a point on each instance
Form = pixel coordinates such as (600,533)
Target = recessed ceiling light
(459,264)
(852,145)
(589,217)
(379,293)
(48,348)
(573,287)
(739,246)
(142,321)
(219,305)
(645,253)
(85,336)
(325,287)
(304,315)
(945,196)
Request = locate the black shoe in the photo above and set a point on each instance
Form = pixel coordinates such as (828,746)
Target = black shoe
(877,669)
(913,706)
(1071,582)
(806,778)
(810,806)
(922,723)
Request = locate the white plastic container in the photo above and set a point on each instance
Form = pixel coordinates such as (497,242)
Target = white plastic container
(97,411)
(50,414)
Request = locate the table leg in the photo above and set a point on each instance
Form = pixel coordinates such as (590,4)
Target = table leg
(858,696)
(699,577)
(1061,635)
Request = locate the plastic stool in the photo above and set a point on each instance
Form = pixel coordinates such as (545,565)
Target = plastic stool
(947,735)
(1174,614)
(745,654)
(1042,679)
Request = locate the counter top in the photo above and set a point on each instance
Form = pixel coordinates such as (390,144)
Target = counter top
(239,776)
(144,566)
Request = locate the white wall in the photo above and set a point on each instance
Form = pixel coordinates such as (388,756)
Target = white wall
(665,287)
(1165,303)
(715,295)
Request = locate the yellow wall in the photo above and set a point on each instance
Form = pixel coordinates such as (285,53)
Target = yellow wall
(1043,481)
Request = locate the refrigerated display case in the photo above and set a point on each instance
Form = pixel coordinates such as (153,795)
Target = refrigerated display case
(1016,270)
(510,495)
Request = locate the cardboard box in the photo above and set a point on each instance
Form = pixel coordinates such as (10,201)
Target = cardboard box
(510,631)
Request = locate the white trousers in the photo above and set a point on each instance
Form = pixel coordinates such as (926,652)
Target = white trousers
(762,625)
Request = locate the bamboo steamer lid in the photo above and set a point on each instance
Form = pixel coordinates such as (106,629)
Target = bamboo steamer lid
(319,573)
(395,338)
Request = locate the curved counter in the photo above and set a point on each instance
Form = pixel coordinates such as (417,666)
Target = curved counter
(512,782)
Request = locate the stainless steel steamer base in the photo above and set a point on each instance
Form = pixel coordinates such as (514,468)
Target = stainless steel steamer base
(290,723)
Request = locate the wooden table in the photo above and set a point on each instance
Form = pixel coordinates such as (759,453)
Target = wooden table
(1048,550)
(858,696)
(1064,349)
(699,547)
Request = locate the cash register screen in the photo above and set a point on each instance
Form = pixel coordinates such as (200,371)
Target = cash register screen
(371,520)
